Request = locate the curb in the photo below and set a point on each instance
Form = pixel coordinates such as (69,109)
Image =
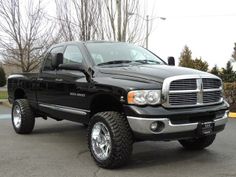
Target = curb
(232,115)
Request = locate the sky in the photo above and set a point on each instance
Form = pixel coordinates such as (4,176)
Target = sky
(207,27)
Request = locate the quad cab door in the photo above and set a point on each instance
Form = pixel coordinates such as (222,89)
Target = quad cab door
(72,87)
(46,92)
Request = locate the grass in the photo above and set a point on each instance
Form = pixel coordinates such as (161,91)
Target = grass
(3,95)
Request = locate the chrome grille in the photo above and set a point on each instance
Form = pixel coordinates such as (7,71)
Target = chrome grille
(183,98)
(211,97)
(183,84)
(209,83)
(191,90)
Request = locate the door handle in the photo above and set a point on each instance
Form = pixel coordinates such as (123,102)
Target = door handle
(59,80)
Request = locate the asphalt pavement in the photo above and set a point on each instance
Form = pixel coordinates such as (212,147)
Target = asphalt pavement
(59,149)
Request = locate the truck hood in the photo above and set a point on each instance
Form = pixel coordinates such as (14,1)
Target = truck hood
(151,72)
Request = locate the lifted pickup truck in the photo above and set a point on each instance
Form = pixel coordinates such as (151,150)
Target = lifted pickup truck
(124,93)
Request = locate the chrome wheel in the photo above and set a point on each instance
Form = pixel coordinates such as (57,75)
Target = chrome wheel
(17,116)
(101,141)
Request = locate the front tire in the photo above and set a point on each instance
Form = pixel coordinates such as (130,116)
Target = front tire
(198,143)
(110,139)
(23,118)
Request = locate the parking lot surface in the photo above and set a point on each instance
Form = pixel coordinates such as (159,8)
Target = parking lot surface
(60,149)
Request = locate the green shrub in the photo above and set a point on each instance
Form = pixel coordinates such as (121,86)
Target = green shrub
(230,92)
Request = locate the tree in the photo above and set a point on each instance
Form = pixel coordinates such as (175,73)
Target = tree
(25,33)
(185,59)
(116,20)
(234,52)
(2,77)
(199,64)
(123,20)
(79,19)
(215,70)
(228,75)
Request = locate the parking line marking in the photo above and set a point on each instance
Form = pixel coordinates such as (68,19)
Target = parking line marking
(232,114)
(5,116)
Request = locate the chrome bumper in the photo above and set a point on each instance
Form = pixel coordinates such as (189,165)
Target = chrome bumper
(142,125)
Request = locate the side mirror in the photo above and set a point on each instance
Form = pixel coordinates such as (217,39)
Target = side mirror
(171,61)
(72,66)
(57,59)
(76,67)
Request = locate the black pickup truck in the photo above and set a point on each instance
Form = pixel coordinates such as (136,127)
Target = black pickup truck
(123,93)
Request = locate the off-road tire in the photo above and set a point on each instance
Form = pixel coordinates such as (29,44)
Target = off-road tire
(27,117)
(198,143)
(121,139)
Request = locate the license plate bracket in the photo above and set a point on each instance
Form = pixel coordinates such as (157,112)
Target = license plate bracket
(206,128)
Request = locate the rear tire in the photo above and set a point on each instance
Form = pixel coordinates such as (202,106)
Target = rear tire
(198,143)
(23,118)
(110,130)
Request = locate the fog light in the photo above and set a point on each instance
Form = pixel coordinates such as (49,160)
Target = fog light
(154,126)
(157,126)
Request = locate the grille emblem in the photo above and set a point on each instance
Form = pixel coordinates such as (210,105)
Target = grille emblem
(200,92)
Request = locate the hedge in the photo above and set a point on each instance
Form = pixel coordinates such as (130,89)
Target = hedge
(230,92)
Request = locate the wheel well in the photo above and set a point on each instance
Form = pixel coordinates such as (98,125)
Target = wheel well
(19,94)
(105,103)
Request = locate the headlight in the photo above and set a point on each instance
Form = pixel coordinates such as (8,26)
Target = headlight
(142,97)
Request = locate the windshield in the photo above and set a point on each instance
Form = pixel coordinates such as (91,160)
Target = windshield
(120,53)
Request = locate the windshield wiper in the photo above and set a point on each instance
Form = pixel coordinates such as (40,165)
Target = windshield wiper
(147,61)
(128,61)
(115,62)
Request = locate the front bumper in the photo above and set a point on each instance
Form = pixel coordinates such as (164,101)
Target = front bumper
(142,125)
(178,125)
